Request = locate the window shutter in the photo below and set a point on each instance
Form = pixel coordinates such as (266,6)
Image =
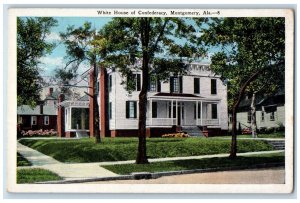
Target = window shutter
(158,85)
(138,83)
(171,84)
(180,84)
(134,109)
(196,85)
(195,107)
(154,109)
(127,109)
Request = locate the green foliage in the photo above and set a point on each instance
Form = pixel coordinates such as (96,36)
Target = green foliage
(247,46)
(120,149)
(21,161)
(31,46)
(206,163)
(35,175)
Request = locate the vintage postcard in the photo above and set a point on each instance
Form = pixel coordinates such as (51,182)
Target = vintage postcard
(150,100)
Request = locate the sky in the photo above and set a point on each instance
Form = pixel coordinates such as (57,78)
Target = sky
(57,58)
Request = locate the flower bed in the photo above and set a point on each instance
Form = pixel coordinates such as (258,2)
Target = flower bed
(39,133)
(176,135)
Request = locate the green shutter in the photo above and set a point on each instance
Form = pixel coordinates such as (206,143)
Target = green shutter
(171,84)
(158,85)
(154,109)
(134,102)
(180,84)
(138,83)
(196,85)
(127,109)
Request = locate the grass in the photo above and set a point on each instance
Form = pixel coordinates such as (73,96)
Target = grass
(273,135)
(120,149)
(35,175)
(125,169)
(21,161)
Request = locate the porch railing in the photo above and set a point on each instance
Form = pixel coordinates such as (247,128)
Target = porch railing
(161,121)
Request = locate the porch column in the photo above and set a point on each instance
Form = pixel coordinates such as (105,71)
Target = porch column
(196,112)
(176,114)
(172,112)
(150,111)
(201,113)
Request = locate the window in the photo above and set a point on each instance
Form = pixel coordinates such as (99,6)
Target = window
(197,85)
(213,86)
(109,83)
(272,116)
(154,109)
(214,111)
(176,84)
(249,117)
(131,109)
(33,120)
(46,120)
(134,82)
(262,116)
(110,110)
(154,85)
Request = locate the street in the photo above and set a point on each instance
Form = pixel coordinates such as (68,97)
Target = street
(253,176)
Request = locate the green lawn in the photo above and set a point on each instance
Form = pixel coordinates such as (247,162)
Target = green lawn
(119,149)
(35,175)
(244,161)
(21,161)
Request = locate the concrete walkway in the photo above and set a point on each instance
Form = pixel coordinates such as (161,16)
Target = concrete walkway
(94,170)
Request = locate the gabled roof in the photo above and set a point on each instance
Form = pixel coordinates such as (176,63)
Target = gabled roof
(28,110)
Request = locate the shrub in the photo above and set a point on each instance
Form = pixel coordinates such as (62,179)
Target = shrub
(38,133)
(176,135)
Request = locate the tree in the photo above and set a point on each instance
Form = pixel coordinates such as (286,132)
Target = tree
(251,50)
(163,43)
(31,46)
(78,42)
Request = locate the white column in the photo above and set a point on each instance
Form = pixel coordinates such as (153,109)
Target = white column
(196,112)
(201,113)
(172,112)
(150,112)
(176,114)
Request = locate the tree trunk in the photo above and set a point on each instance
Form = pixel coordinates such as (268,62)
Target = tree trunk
(233,149)
(96,108)
(253,116)
(142,152)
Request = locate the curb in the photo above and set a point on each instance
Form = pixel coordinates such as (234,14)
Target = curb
(148,175)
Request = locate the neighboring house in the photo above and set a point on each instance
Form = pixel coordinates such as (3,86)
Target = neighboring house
(270,112)
(196,100)
(43,116)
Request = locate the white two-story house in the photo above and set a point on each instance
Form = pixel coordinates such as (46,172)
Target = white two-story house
(197,100)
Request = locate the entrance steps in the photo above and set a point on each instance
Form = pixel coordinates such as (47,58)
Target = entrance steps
(193,131)
(277,144)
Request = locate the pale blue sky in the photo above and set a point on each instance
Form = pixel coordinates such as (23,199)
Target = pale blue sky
(56,58)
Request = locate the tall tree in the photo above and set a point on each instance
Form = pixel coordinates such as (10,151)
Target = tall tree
(250,50)
(31,46)
(79,45)
(162,43)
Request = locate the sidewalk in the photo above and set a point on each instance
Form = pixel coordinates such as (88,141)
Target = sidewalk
(94,170)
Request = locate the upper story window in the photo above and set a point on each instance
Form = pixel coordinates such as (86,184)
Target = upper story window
(197,85)
(33,120)
(176,84)
(46,120)
(213,86)
(131,109)
(134,81)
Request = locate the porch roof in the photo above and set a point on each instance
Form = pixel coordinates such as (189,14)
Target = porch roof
(82,104)
(181,97)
